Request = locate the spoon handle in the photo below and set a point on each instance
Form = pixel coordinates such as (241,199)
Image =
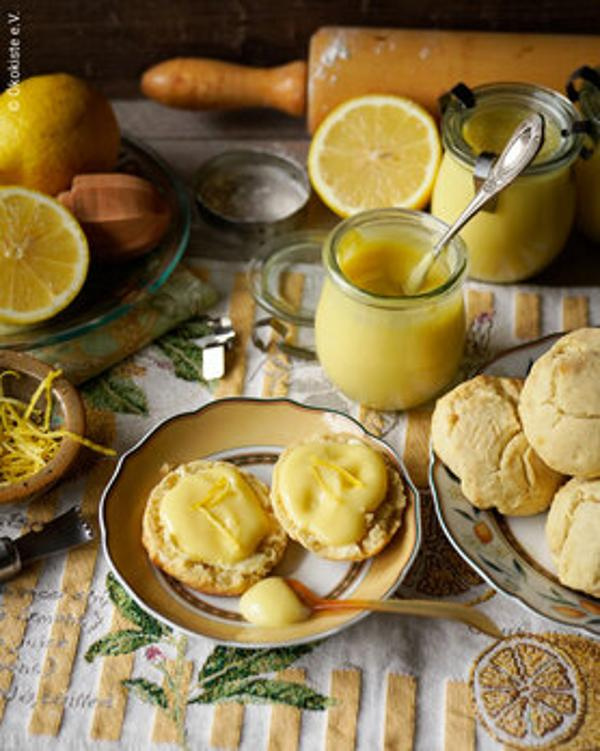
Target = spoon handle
(520,150)
(424,609)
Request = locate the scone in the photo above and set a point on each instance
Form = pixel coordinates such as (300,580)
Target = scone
(476,432)
(338,496)
(211,526)
(560,404)
(573,534)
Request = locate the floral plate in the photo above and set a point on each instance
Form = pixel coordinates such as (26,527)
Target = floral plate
(250,433)
(510,552)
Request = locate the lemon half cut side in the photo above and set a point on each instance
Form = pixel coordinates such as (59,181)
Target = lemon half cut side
(44,256)
(375,151)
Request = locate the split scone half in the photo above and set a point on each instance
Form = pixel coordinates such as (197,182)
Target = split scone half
(338,496)
(211,526)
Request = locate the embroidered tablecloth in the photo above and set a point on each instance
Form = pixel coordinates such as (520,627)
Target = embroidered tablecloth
(388,682)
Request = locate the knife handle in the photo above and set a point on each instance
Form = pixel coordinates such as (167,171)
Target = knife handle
(199,83)
(10,561)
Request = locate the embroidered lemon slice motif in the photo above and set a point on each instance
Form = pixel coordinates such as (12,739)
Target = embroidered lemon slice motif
(527,692)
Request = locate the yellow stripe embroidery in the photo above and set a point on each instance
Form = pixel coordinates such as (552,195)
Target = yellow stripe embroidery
(241,312)
(109,714)
(284,731)
(527,315)
(416,445)
(277,368)
(17,598)
(343,717)
(226,728)
(478,303)
(165,730)
(46,716)
(459,728)
(575,313)
(399,733)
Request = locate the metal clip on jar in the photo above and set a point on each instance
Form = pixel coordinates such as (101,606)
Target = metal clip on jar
(531,220)
(384,349)
(587,170)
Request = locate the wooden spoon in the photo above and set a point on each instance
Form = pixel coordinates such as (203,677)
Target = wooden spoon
(421,608)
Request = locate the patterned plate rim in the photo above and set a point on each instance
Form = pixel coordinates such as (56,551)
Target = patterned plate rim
(214,403)
(486,574)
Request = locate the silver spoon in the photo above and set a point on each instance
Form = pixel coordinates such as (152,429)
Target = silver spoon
(521,149)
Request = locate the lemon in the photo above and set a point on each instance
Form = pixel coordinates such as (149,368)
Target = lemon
(374,151)
(43,256)
(52,128)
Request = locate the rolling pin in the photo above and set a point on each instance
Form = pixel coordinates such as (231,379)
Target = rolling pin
(348,62)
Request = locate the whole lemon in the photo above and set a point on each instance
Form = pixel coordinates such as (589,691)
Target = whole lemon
(52,128)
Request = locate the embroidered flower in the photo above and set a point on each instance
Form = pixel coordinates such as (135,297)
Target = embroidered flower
(154,654)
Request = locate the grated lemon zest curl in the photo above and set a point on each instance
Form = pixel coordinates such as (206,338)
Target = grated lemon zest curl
(27,442)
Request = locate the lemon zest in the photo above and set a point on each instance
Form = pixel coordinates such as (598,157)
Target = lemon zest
(27,443)
(345,474)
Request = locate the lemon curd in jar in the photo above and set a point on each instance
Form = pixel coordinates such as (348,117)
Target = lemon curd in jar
(530,221)
(382,347)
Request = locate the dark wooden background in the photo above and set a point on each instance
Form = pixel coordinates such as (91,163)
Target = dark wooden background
(112,41)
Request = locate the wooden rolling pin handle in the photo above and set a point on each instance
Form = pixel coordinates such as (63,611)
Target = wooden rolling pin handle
(198,83)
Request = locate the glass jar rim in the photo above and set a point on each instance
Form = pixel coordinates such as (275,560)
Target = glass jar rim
(550,103)
(408,217)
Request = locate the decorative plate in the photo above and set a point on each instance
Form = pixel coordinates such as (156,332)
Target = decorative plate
(111,290)
(511,552)
(250,433)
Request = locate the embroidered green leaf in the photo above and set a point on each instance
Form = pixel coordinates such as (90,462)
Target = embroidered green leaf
(147,691)
(226,664)
(119,643)
(131,610)
(116,393)
(262,691)
(185,356)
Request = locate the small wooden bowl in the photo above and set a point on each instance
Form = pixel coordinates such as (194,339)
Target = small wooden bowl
(67,406)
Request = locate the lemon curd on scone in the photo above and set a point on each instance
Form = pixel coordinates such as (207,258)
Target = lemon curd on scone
(211,526)
(338,497)
(380,345)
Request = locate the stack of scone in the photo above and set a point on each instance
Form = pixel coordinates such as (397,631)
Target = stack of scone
(513,445)
(219,529)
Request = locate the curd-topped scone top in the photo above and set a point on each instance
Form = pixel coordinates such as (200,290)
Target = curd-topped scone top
(338,496)
(214,515)
(211,526)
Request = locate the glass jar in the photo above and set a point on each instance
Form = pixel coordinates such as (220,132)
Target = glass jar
(527,225)
(386,350)
(587,170)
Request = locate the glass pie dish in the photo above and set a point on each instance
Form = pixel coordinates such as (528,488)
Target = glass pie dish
(112,290)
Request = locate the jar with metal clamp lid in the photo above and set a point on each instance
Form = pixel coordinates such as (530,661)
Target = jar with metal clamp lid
(527,225)
(587,170)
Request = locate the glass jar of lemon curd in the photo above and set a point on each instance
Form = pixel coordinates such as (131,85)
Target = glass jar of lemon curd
(587,170)
(382,347)
(527,225)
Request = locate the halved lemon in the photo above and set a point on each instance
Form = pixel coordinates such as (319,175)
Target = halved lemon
(44,256)
(375,151)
